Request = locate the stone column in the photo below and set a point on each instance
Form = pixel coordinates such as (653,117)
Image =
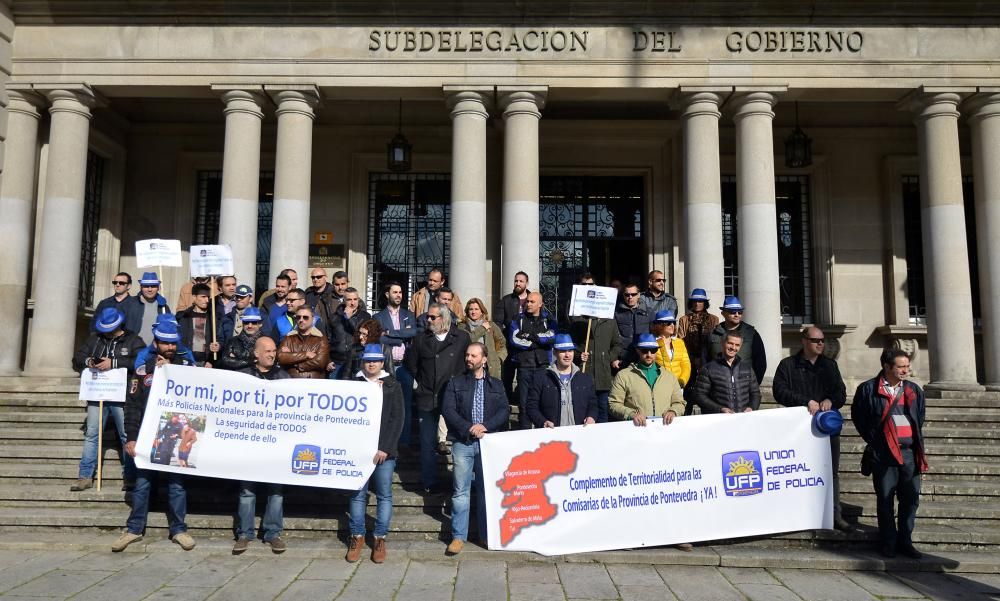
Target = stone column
(17,198)
(292,178)
(521,111)
(985,123)
(950,338)
(56,282)
(703,264)
(757,230)
(241,180)
(467,264)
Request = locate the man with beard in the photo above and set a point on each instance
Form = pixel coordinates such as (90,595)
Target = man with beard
(510,306)
(238,354)
(165,339)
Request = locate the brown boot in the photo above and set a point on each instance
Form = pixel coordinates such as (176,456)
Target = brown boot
(378,552)
(82,484)
(354,551)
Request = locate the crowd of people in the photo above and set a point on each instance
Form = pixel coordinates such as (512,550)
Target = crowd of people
(452,373)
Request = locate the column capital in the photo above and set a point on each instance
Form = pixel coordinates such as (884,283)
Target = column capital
(749,103)
(246,99)
(25,102)
(468,100)
(522,99)
(984,104)
(295,98)
(701,100)
(926,102)
(77,101)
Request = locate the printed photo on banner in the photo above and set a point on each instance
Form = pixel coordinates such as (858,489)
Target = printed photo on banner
(566,490)
(177,438)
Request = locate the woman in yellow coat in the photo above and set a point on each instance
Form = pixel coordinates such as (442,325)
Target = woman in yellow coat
(673,355)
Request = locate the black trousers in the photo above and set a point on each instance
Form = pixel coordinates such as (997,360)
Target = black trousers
(894,481)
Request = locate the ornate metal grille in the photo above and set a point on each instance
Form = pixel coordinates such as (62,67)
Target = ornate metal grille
(409,230)
(93,195)
(588,223)
(794,247)
(206,225)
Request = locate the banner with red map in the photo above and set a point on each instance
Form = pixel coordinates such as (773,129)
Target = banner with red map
(618,486)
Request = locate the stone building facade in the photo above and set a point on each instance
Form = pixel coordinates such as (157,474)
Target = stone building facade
(615,137)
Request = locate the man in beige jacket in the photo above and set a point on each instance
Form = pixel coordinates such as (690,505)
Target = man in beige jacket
(643,389)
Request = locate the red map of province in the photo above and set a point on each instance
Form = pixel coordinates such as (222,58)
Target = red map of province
(523,487)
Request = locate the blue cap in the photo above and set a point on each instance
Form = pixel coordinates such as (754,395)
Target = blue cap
(108,320)
(665,316)
(646,341)
(243,291)
(251,315)
(732,303)
(166,331)
(698,294)
(828,423)
(373,352)
(149,278)
(563,342)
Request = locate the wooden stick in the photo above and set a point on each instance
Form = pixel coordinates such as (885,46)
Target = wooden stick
(586,344)
(212,303)
(100,441)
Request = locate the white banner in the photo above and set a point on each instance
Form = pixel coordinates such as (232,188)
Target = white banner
(158,253)
(593,301)
(618,486)
(223,424)
(215,259)
(108,386)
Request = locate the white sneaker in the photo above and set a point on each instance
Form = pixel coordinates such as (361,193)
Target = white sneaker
(126,539)
(185,540)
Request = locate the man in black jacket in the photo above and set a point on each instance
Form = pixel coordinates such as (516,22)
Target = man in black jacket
(812,380)
(198,330)
(436,355)
(474,405)
(265,364)
(531,335)
(564,396)
(109,347)
(727,384)
(888,412)
(751,350)
(507,309)
(238,354)
(165,340)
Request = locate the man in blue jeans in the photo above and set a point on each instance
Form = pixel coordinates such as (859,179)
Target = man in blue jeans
(109,347)
(265,355)
(385,458)
(165,338)
(474,404)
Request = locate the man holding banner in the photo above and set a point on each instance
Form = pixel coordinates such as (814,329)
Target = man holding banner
(644,389)
(165,338)
(110,347)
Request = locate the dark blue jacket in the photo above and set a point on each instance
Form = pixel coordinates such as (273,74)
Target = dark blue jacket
(134,307)
(456,406)
(545,399)
(531,338)
(112,302)
(396,336)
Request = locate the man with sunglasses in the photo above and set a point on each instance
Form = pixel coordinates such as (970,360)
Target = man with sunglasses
(632,320)
(752,348)
(304,352)
(120,284)
(644,389)
(811,379)
(656,298)
(282,323)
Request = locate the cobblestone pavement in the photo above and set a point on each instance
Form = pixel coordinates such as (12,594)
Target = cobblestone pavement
(166,572)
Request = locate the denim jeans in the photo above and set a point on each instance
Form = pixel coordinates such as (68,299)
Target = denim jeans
(602,406)
(381,481)
(467,462)
(88,461)
(406,381)
(892,480)
(176,501)
(428,447)
(272,523)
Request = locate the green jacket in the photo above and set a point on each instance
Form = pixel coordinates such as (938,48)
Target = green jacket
(605,347)
(630,392)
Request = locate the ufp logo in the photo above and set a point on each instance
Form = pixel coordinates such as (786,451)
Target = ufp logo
(305,460)
(741,473)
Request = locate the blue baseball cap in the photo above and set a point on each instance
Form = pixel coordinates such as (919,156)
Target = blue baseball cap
(563,342)
(108,320)
(251,315)
(665,316)
(373,352)
(732,303)
(243,291)
(647,341)
(828,423)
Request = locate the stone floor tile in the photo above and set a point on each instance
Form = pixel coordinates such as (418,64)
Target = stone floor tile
(634,575)
(767,592)
(424,592)
(104,561)
(983,583)
(881,584)
(60,583)
(180,593)
(370,575)
(586,581)
(532,572)
(481,581)
(328,569)
(265,578)
(748,576)
(141,578)
(312,590)
(694,583)
(213,571)
(644,592)
(940,586)
(821,585)
(40,563)
(9,557)
(430,572)
(535,591)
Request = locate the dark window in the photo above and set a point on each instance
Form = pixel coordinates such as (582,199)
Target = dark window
(206,226)
(794,246)
(588,223)
(409,230)
(93,195)
(913,237)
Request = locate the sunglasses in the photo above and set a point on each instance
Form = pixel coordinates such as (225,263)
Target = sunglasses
(735,312)
(647,351)
(630,294)
(659,280)
(117,283)
(817,340)
(303,317)
(317,277)
(433,317)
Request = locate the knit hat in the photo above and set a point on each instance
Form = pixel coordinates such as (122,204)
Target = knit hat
(108,320)
(647,341)
(373,352)
(665,316)
(698,294)
(251,315)
(563,342)
(149,278)
(732,303)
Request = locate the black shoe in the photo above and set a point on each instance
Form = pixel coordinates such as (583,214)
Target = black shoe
(910,551)
(887,551)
